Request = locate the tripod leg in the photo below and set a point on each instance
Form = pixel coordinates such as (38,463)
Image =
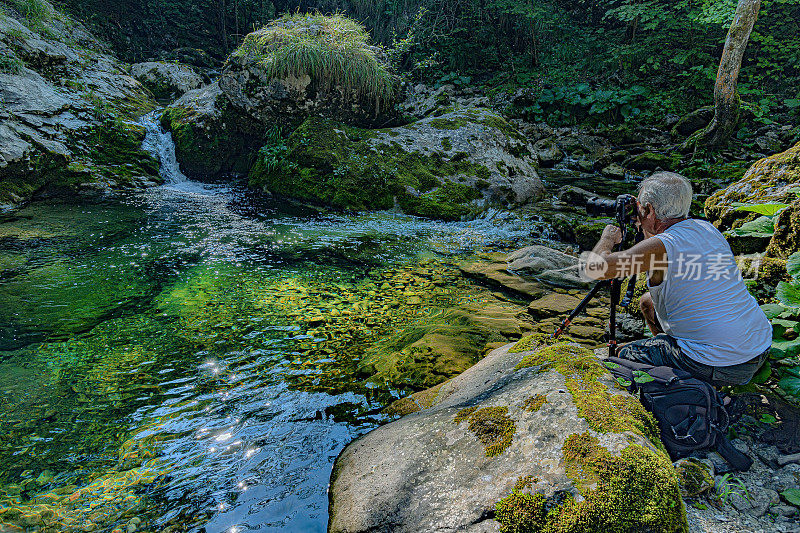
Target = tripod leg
(579,308)
(616,288)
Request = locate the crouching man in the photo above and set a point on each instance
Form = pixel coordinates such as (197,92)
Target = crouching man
(703,319)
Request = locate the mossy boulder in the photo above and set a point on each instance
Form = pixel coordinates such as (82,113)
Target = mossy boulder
(786,239)
(211,136)
(167,80)
(652,161)
(586,458)
(309,64)
(446,167)
(771,179)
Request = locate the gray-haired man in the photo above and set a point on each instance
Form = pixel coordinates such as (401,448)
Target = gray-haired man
(702,317)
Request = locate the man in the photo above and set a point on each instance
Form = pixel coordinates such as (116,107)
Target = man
(702,317)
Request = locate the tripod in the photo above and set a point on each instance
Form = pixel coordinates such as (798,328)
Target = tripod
(615,285)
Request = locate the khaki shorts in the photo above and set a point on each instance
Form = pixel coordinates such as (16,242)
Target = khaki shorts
(663,350)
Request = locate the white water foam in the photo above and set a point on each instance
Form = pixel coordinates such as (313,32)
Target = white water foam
(158,142)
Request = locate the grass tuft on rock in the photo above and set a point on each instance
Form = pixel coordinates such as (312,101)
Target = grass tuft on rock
(333,50)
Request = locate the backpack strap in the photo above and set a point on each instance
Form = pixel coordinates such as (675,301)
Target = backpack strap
(737,459)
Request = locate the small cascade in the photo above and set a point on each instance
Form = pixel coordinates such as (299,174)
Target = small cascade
(159,143)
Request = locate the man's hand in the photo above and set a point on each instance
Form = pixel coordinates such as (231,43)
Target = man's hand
(612,234)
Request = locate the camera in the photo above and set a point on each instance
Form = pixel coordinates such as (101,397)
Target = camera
(623,208)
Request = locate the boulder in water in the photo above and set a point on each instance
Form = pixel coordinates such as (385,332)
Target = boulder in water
(211,136)
(446,167)
(167,80)
(531,438)
(546,265)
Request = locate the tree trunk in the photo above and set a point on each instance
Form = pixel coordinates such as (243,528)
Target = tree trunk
(726,97)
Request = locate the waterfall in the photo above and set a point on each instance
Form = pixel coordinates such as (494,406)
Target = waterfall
(159,143)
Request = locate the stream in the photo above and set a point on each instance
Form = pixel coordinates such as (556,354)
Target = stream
(157,366)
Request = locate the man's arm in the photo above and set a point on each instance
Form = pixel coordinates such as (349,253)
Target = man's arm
(650,254)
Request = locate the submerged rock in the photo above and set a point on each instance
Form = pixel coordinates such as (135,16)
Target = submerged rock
(67,106)
(167,80)
(445,167)
(533,437)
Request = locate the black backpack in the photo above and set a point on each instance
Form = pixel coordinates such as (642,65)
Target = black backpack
(689,411)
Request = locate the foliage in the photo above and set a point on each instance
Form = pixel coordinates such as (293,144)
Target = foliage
(785,319)
(9,63)
(333,50)
(731,485)
(34,11)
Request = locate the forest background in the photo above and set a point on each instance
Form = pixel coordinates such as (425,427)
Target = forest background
(583,62)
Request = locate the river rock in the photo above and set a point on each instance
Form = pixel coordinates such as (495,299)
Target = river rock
(492,270)
(211,136)
(786,239)
(166,80)
(548,152)
(449,167)
(260,79)
(546,265)
(771,179)
(65,121)
(512,436)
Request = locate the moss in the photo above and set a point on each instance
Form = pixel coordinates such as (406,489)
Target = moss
(695,477)
(524,482)
(449,123)
(446,144)
(491,425)
(534,403)
(603,411)
(635,491)
(786,239)
(336,165)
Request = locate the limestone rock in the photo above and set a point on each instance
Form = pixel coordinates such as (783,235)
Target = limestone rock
(771,179)
(510,436)
(449,167)
(166,80)
(65,121)
(553,304)
(493,271)
(546,265)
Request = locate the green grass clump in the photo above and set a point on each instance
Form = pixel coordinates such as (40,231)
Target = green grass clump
(332,50)
(33,10)
(9,63)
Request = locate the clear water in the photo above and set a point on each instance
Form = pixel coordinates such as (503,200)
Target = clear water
(156,365)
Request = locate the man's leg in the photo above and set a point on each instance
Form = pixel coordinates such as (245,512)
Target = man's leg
(648,310)
(663,350)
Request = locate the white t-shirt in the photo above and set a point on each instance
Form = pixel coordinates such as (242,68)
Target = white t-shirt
(703,302)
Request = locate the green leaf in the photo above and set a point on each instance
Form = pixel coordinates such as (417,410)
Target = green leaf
(788,293)
(761,227)
(624,382)
(793,265)
(792,496)
(640,376)
(610,365)
(782,349)
(772,310)
(767,419)
(769,210)
(791,386)
(763,374)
